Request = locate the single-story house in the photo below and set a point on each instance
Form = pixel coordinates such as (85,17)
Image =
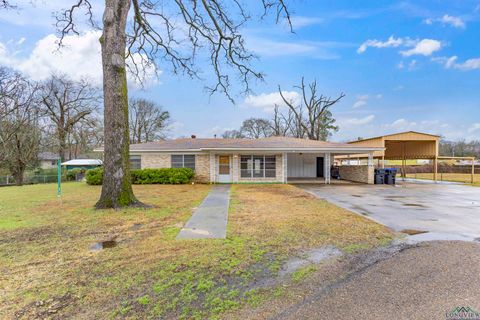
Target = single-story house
(47,160)
(274,159)
(84,164)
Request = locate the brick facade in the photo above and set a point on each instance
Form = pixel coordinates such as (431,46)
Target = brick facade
(202,168)
(155,160)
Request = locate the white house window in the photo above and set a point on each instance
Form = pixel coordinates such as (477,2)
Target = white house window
(183,161)
(258,166)
(135,162)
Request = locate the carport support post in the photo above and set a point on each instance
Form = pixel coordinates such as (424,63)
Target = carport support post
(473,170)
(435,168)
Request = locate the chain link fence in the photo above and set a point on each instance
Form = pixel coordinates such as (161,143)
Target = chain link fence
(33,179)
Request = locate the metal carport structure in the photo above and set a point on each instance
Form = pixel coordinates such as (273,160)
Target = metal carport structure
(409,145)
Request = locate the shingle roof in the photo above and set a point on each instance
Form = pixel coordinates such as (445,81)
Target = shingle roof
(218,143)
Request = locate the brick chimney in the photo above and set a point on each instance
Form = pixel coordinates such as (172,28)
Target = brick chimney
(193,136)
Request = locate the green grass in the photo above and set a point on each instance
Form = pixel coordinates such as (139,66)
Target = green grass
(45,250)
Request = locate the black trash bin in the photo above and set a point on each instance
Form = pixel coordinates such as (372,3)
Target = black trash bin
(390,176)
(379,176)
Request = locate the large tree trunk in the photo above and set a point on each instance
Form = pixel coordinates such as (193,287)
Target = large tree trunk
(116,189)
(18,176)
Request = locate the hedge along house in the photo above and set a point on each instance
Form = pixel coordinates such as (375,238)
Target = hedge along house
(274,159)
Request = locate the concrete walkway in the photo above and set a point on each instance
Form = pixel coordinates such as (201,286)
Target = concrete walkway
(210,218)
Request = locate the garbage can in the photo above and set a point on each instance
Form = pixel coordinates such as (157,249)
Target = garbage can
(335,172)
(379,176)
(390,176)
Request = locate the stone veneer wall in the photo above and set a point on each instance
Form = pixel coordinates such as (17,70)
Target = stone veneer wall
(363,174)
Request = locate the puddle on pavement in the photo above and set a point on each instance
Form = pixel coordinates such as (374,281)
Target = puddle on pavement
(103,245)
(476,239)
(412,232)
(360,210)
(416,205)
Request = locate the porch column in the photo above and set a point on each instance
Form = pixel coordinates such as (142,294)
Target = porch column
(326,167)
(285,167)
(370,159)
(212,168)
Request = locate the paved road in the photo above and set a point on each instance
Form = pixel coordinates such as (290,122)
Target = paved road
(450,212)
(210,218)
(423,282)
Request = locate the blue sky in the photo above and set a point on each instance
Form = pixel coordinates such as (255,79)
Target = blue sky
(402,65)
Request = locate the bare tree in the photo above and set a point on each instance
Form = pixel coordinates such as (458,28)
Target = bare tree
(312,116)
(255,128)
(281,123)
(19,131)
(84,136)
(11,86)
(151,36)
(233,134)
(66,103)
(148,121)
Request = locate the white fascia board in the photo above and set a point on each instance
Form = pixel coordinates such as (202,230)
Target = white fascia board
(297,150)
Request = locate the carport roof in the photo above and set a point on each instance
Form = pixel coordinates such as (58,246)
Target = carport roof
(271,143)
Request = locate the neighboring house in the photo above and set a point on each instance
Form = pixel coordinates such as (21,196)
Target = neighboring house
(82,164)
(47,160)
(274,159)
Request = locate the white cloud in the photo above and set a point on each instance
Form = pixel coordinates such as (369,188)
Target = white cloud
(356,121)
(446,19)
(418,47)
(451,63)
(390,43)
(21,41)
(302,21)
(273,48)
(359,103)
(79,58)
(267,101)
(424,47)
(474,128)
(363,99)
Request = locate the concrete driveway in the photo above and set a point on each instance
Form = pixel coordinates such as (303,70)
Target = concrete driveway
(446,211)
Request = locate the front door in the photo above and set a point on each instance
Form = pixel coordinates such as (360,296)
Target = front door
(224,169)
(320,167)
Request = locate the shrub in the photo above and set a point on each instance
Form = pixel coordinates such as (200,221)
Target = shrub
(94,176)
(148,176)
(162,176)
(72,174)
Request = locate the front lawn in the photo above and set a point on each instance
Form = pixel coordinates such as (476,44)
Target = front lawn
(49,265)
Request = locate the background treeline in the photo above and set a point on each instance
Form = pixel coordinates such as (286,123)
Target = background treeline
(61,116)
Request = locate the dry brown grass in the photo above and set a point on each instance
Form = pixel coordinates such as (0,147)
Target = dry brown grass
(290,218)
(455,177)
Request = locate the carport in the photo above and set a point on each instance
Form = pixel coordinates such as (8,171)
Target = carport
(410,145)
